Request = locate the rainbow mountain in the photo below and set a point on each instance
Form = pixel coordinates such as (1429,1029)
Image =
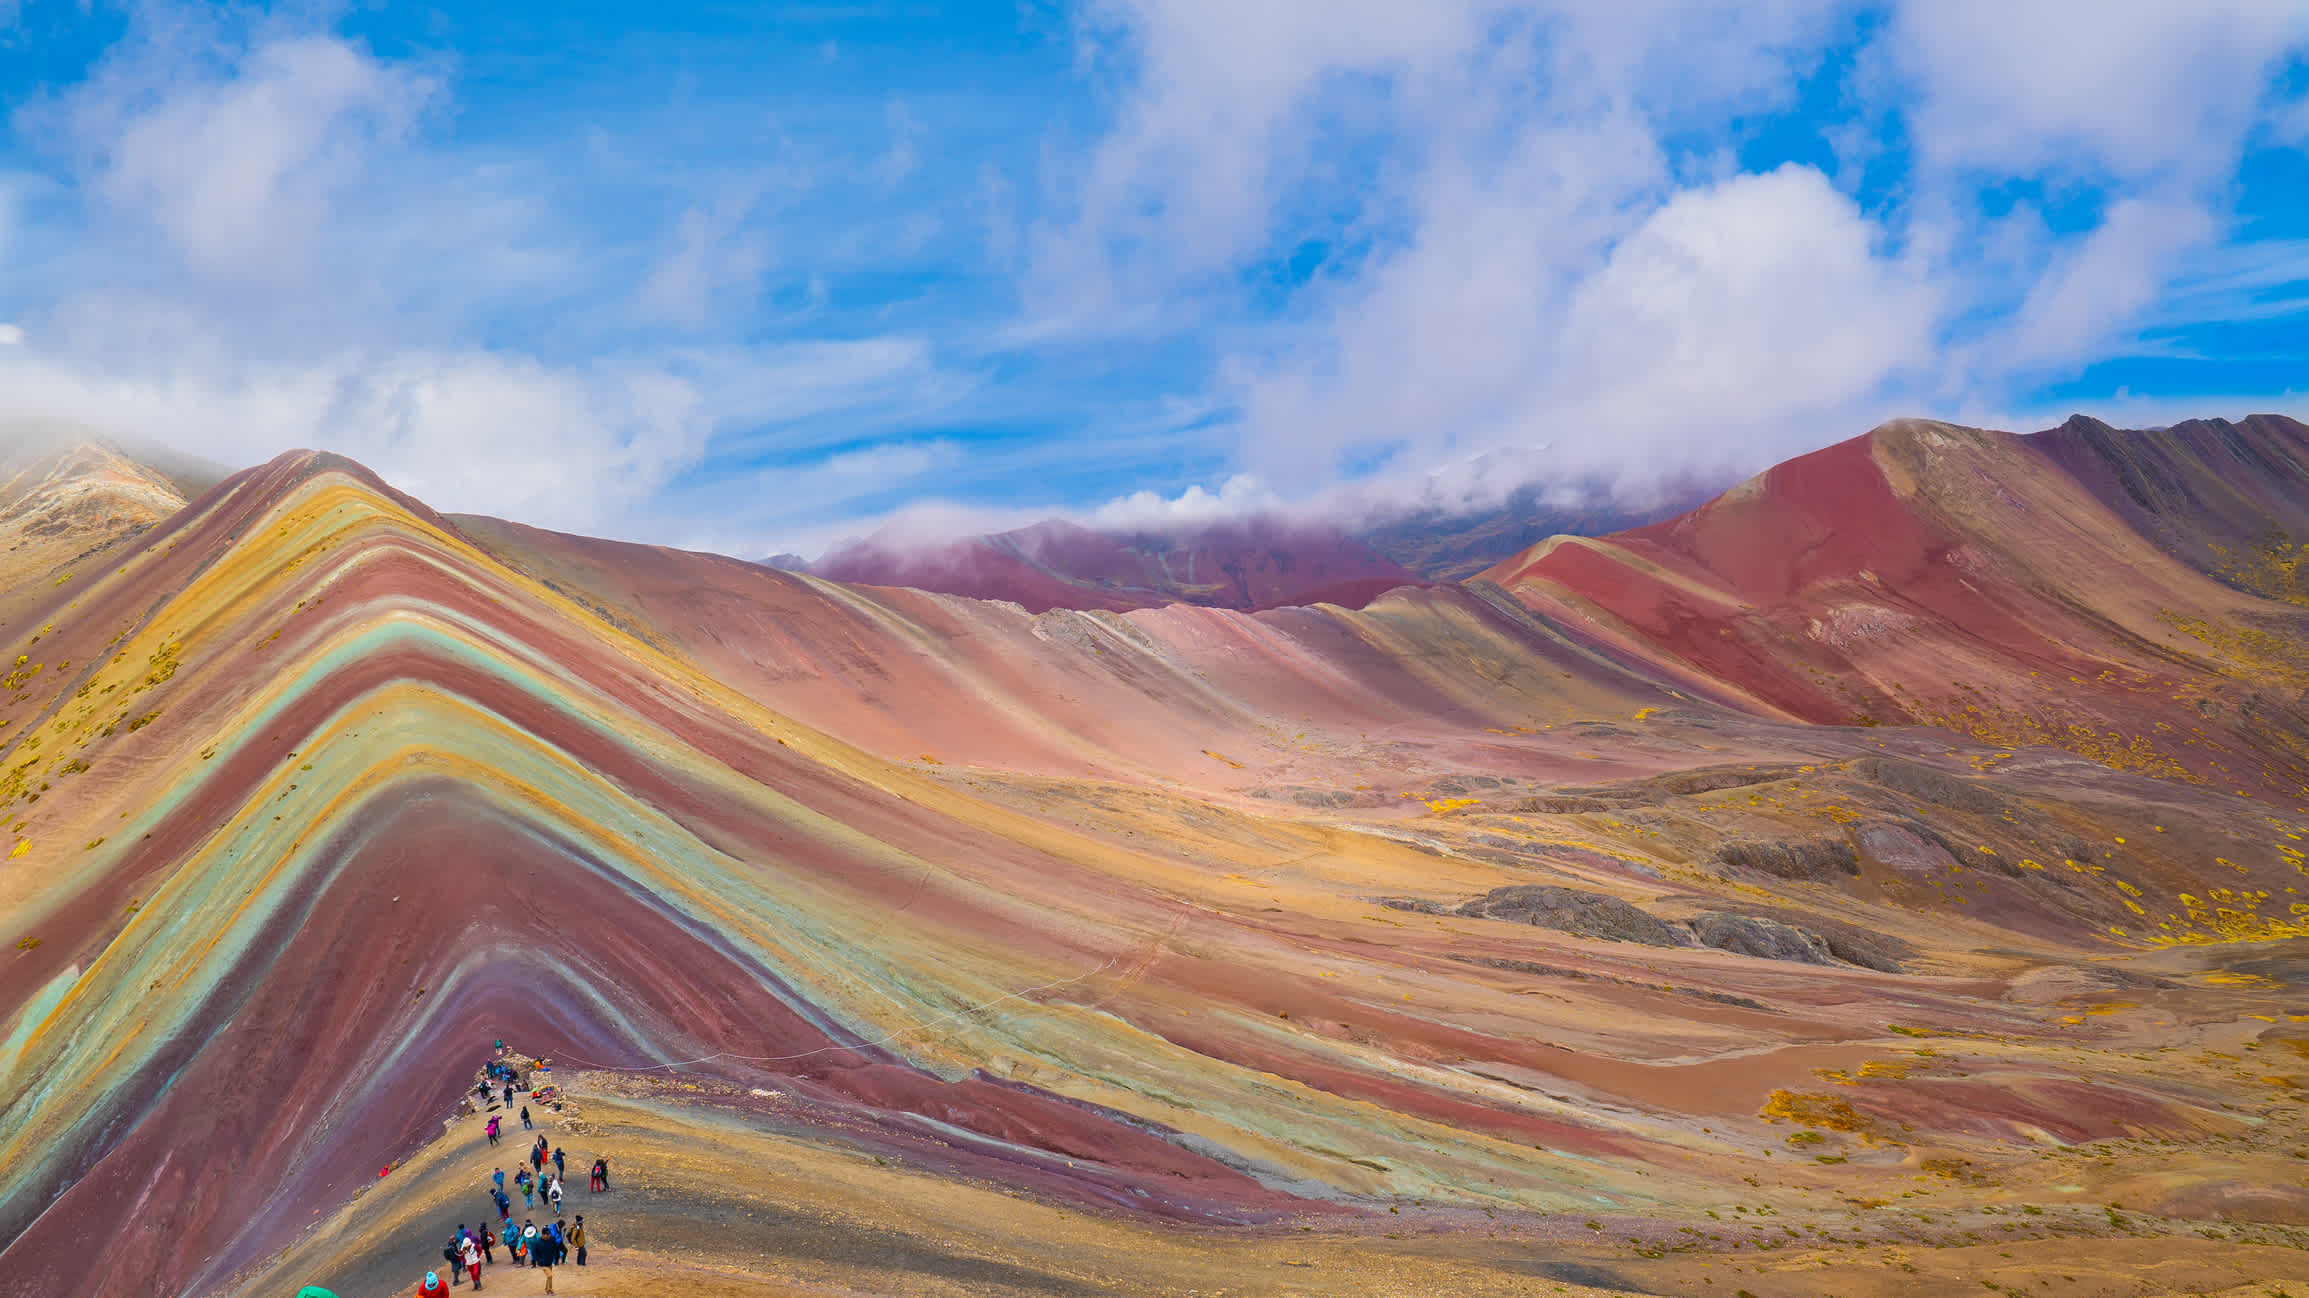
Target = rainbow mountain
(1897,856)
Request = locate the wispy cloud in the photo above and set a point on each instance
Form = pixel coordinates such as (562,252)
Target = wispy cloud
(1143,259)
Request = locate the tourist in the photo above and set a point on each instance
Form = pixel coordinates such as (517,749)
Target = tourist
(432,1286)
(553,1193)
(492,1128)
(511,1238)
(548,1252)
(600,1179)
(529,1241)
(559,1167)
(526,1125)
(577,1238)
(472,1257)
(488,1241)
(453,1255)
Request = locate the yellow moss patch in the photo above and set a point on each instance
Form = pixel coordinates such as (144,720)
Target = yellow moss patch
(1813,1109)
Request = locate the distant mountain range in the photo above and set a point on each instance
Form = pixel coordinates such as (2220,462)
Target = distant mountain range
(1251,564)
(1247,564)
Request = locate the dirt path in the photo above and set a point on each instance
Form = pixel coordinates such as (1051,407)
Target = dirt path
(712,1204)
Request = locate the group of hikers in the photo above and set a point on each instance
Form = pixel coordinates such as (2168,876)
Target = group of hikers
(534,1183)
(528,1244)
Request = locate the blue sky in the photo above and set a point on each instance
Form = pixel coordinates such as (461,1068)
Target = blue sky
(756,277)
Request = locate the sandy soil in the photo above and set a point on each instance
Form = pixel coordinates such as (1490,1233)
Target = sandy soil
(709,1201)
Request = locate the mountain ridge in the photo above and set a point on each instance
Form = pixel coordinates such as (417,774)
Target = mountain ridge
(1567,894)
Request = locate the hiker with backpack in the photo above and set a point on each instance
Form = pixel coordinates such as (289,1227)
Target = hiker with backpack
(546,1254)
(492,1128)
(600,1178)
(471,1257)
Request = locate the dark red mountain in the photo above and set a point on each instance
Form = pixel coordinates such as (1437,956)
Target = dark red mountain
(1251,564)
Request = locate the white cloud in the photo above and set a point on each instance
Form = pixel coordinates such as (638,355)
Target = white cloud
(1539,234)
(461,430)
(906,135)
(932,520)
(1761,304)
(243,162)
(1761,297)
(1467,167)
(270,253)
(2095,290)
(774,384)
(717,260)
(1241,495)
(1229,112)
(2140,89)
(1522,263)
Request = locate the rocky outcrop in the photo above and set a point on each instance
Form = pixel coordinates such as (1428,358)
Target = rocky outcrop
(1922,782)
(1568,910)
(1818,859)
(1765,939)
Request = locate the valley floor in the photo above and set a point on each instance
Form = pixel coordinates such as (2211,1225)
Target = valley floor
(717,1195)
